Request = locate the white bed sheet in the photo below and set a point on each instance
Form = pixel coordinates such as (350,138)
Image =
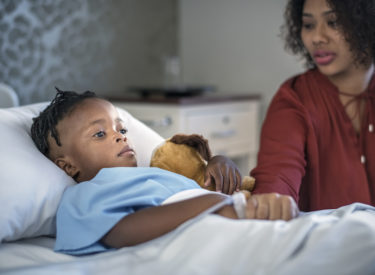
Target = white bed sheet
(341,242)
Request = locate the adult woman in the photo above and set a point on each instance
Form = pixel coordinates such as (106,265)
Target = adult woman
(318,139)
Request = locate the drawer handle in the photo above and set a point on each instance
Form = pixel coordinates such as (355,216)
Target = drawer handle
(223,134)
(163,122)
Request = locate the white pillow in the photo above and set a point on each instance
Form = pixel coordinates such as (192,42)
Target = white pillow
(30,184)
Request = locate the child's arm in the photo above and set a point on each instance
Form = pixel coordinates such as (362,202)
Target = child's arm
(224,174)
(150,223)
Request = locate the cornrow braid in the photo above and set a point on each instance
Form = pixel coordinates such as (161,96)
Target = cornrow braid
(45,123)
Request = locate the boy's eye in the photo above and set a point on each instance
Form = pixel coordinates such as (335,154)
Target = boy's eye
(123,131)
(99,134)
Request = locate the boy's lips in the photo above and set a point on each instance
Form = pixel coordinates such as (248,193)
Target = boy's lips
(323,57)
(126,150)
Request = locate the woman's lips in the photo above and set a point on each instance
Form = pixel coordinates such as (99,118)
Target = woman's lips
(323,57)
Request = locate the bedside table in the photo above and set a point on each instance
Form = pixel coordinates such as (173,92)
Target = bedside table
(230,123)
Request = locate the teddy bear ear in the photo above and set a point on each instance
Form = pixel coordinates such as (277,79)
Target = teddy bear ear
(198,142)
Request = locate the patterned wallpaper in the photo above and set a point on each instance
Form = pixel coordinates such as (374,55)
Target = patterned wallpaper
(98,45)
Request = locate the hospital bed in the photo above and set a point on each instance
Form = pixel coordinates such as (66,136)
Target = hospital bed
(337,241)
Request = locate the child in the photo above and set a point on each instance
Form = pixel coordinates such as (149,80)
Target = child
(115,203)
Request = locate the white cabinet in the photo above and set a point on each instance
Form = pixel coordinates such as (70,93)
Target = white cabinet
(230,124)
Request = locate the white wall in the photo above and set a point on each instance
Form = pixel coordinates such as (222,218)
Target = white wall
(235,45)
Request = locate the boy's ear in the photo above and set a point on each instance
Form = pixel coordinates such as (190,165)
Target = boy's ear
(67,166)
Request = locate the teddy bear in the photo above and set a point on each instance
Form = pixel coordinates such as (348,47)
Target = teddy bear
(188,155)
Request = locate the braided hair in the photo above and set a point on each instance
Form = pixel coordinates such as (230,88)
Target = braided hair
(45,124)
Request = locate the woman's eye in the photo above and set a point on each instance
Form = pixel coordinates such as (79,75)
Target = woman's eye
(307,26)
(332,23)
(123,131)
(99,134)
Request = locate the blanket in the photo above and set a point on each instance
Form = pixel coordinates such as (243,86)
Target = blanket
(340,241)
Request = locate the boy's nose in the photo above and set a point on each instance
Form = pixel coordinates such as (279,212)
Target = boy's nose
(121,139)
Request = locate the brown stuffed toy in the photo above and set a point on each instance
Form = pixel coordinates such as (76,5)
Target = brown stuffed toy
(188,155)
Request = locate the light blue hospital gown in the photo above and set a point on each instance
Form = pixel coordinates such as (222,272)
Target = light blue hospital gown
(88,210)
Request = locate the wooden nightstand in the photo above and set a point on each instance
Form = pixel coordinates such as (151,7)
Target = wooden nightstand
(230,123)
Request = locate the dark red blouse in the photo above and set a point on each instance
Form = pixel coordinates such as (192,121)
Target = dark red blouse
(310,150)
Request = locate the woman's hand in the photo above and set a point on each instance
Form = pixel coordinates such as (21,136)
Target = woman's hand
(223,174)
(271,206)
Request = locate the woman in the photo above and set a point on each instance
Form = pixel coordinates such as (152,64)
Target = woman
(318,139)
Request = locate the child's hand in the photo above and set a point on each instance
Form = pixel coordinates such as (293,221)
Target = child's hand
(224,174)
(272,206)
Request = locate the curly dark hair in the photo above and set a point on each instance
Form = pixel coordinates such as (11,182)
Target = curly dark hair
(45,123)
(356,19)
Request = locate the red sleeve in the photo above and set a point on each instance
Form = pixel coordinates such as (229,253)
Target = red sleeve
(281,158)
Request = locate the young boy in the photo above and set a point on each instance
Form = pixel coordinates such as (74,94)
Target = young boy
(115,203)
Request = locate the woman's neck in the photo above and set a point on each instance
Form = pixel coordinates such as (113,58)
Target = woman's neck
(355,81)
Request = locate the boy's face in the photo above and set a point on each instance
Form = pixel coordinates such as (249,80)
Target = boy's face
(92,137)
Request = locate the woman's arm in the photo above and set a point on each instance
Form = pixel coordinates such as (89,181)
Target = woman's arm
(150,223)
(281,157)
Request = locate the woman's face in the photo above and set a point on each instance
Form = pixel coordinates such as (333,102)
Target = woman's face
(324,41)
